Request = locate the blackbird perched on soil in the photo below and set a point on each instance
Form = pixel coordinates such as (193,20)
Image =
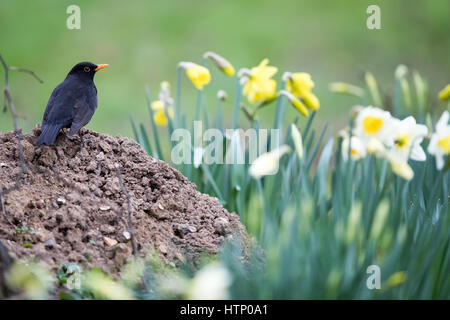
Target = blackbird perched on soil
(72,103)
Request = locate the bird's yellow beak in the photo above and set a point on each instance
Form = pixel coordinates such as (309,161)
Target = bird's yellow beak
(101,66)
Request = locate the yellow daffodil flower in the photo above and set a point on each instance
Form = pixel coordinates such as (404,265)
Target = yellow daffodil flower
(444,94)
(198,74)
(159,115)
(300,85)
(260,84)
(223,64)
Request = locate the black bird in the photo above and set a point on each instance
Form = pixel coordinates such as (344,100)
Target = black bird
(72,103)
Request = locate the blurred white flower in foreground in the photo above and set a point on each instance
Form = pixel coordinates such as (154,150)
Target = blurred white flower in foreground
(407,137)
(440,140)
(373,123)
(31,278)
(267,163)
(210,283)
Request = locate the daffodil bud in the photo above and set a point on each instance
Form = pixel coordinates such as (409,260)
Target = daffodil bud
(346,88)
(222,63)
(198,74)
(401,167)
(373,87)
(267,163)
(222,95)
(295,102)
(401,71)
(297,138)
(444,94)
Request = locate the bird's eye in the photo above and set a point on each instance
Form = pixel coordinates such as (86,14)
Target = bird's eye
(87,69)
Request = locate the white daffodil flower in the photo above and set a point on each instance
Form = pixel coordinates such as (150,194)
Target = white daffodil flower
(440,140)
(267,163)
(376,148)
(407,137)
(357,148)
(373,122)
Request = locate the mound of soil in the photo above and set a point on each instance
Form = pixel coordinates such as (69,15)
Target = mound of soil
(74,210)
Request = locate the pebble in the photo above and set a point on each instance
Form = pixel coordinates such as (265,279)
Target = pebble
(109,241)
(100,156)
(61,201)
(49,244)
(127,235)
(105,208)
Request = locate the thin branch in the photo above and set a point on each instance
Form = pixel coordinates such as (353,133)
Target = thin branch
(130,222)
(12,109)
(4,210)
(26,71)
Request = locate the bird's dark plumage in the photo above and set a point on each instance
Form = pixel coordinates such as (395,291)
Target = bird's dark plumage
(72,103)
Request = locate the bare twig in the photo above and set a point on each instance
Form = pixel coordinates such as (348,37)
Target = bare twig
(4,210)
(26,71)
(130,222)
(12,109)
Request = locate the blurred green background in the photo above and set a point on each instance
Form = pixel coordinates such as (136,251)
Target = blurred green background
(143,41)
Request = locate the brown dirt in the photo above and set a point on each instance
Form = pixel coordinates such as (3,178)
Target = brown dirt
(89,228)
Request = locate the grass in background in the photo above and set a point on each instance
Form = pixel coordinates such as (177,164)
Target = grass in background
(145,40)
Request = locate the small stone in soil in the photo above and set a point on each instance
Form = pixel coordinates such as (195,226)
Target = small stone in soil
(49,244)
(127,235)
(109,241)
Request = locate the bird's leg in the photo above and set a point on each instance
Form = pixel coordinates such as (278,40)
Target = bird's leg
(81,140)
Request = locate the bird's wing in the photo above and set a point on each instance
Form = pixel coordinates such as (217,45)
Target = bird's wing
(83,111)
(51,101)
(59,109)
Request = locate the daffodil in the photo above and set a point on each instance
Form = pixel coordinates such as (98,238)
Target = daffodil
(210,283)
(223,64)
(342,87)
(297,103)
(373,123)
(104,287)
(198,74)
(267,163)
(408,135)
(440,140)
(400,166)
(357,148)
(297,138)
(300,85)
(259,84)
(444,94)
(159,115)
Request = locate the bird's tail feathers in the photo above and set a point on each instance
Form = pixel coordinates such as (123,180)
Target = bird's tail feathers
(48,134)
